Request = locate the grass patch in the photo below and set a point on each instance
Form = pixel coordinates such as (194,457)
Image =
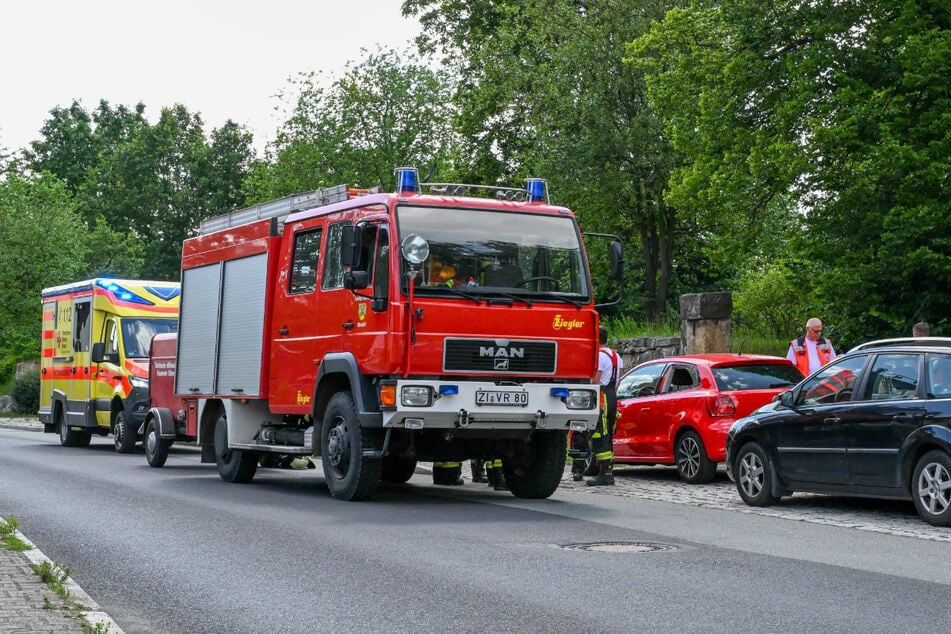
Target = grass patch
(8,535)
(54,575)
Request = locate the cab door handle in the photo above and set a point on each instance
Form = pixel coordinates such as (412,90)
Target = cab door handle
(283,331)
(348,325)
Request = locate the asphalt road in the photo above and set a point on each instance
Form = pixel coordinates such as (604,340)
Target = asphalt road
(178,550)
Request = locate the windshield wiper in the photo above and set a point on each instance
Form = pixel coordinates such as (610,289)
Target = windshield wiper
(457,291)
(573,302)
(508,296)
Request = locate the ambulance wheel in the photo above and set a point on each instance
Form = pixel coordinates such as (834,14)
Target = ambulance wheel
(349,474)
(123,433)
(397,469)
(536,471)
(233,465)
(156,447)
(71,437)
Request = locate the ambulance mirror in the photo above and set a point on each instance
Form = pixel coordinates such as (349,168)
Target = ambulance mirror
(98,352)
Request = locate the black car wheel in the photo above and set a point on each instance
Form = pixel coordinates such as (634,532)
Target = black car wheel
(931,488)
(123,433)
(156,447)
(233,465)
(693,465)
(350,475)
(753,475)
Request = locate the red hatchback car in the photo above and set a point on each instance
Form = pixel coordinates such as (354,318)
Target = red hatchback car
(678,410)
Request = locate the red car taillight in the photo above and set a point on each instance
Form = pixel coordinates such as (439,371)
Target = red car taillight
(721,405)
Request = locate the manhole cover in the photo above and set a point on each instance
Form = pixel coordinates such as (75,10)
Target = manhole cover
(621,547)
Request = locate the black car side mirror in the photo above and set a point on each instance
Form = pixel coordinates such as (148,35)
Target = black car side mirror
(786,399)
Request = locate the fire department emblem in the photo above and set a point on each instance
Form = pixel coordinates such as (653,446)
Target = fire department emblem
(362,311)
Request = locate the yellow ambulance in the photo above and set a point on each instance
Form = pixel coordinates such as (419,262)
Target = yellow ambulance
(94,364)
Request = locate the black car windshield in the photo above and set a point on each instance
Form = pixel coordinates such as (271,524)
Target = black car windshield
(761,376)
(495,252)
(137,334)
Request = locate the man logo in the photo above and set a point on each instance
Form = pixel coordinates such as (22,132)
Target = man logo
(501,364)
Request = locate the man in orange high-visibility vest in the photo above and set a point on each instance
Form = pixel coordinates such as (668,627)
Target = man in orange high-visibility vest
(811,351)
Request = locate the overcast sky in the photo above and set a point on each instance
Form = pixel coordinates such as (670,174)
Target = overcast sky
(223,59)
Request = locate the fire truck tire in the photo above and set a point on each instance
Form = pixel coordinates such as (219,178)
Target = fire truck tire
(539,471)
(397,469)
(349,474)
(123,433)
(156,447)
(71,437)
(233,465)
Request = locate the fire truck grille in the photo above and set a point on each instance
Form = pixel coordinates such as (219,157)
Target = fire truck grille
(502,356)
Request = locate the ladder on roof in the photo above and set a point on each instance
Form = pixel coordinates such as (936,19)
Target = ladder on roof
(280,208)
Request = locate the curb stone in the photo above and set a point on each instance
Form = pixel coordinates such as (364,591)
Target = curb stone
(90,611)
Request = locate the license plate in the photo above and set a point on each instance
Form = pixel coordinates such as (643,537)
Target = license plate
(492,397)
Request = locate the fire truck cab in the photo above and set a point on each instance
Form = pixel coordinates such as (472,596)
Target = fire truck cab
(375,330)
(95,356)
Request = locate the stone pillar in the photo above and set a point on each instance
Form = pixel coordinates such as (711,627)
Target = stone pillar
(705,322)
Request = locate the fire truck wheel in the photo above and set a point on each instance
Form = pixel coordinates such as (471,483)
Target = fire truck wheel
(123,433)
(349,474)
(233,465)
(71,437)
(156,447)
(537,471)
(397,469)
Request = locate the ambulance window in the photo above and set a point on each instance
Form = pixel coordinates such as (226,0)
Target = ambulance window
(333,268)
(113,338)
(304,265)
(81,326)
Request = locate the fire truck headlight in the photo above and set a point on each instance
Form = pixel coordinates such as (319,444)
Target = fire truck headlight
(581,399)
(140,383)
(416,396)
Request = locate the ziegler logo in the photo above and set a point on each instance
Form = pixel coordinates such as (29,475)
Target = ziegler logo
(567,324)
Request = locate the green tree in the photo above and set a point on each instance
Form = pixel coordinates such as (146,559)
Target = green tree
(385,111)
(544,90)
(832,116)
(43,240)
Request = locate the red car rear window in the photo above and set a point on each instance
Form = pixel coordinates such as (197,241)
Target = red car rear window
(762,376)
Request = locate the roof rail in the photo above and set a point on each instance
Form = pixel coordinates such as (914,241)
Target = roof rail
(280,208)
(914,342)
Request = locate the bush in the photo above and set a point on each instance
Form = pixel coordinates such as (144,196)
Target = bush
(26,392)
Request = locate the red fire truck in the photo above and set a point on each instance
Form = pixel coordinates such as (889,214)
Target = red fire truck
(375,330)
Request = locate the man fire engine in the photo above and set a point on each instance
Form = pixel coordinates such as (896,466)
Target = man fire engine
(95,353)
(377,329)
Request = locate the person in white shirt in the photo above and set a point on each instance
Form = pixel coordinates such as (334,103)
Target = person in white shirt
(811,351)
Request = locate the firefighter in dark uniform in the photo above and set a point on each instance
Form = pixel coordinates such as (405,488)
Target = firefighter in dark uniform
(602,440)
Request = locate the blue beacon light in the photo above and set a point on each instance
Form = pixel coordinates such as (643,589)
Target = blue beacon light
(537,190)
(407,180)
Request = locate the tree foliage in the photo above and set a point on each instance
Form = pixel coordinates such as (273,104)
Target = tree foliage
(384,111)
(544,90)
(43,241)
(151,183)
(831,115)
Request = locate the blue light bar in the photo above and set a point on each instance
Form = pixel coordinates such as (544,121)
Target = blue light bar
(449,390)
(559,392)
(537,190)
(407,180)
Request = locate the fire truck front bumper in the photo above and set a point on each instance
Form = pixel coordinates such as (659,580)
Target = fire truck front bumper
(478,405)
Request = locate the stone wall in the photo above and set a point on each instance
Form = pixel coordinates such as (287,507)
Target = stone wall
(640,349)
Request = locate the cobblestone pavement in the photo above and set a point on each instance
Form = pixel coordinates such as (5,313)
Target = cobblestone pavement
(27,604)
(662,484)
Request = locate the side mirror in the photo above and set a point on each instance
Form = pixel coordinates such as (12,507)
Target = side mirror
(617,261)
(350,245)
(354,280)
(786,399)
(98,352)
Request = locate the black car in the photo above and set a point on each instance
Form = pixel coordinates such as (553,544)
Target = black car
(875,422)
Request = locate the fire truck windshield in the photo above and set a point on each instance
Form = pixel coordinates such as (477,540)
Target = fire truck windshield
(498,252)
